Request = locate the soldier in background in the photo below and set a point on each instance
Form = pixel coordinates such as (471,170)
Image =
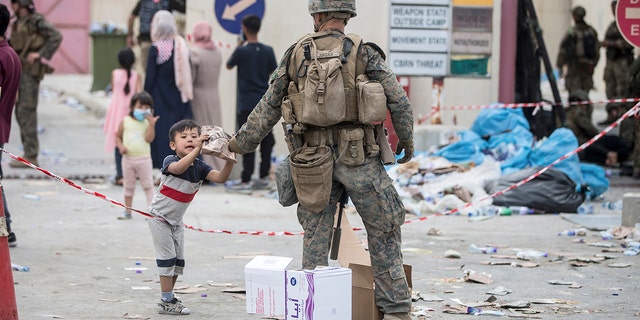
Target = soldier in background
(365,180)
(579,53)
(33,38)
(619,57)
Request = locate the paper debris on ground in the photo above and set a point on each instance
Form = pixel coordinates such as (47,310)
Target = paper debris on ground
(500,291)
(134,316)
(190,289)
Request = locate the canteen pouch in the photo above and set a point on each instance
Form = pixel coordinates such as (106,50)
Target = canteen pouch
(312,172)
(284,183)
(372,103)
(351,146)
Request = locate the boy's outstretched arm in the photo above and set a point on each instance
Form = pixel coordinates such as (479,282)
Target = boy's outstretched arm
(222,175)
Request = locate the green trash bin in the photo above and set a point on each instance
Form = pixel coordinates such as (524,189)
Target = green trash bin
(105,57)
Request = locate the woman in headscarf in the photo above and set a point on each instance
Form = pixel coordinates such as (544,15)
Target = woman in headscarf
(168,80)
(206,60)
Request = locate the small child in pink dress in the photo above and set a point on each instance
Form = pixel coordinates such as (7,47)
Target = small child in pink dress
(133,138)
(125,81)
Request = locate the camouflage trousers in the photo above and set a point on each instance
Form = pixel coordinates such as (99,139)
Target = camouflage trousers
(578,80)
(26,110)
(377,201)
(615,78)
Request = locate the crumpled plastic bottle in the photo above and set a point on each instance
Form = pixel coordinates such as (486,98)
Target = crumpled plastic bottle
(475,249)
(18,267)
(530,254)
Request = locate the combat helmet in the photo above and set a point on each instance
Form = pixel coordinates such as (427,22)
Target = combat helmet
(347,6)
(23,3)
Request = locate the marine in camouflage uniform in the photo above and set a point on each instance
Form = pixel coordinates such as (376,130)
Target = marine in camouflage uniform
(370,188)
(579,68)
(619,57)
(630,127)
(33,38)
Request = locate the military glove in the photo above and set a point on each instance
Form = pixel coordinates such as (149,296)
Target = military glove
(407,146)
(233,146)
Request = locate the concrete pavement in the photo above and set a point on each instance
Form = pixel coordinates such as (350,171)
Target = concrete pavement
(86,264)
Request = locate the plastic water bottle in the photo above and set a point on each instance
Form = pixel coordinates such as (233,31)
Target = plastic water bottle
(505,211)
(616,205)
(586,208)
(573,232)
(606,235)
(521,210)
(475,249)
(474,310)
(530,254)
(18,267)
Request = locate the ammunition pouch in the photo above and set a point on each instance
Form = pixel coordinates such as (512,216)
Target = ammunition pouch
(312,175)
(38,69)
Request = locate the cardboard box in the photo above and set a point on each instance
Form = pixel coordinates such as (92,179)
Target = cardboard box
(352,254)
(323,293)
(265,285)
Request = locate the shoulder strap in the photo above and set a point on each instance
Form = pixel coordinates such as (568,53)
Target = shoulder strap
(357,42)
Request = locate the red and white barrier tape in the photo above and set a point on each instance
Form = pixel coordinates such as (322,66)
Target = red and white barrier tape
(632,111)
(523,105)
(146,214)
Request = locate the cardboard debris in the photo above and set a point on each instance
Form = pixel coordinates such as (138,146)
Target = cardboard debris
(352,254)
(472,276)
(134,316)
(190,289)
(235,290)
(619,265)
(500,291)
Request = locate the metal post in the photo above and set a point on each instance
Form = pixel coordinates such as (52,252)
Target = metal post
(558,111)
(436,87)
(8,306)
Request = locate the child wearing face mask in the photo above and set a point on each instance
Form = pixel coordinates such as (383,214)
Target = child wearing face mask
(133,138)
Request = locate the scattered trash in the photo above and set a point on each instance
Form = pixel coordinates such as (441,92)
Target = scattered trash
(530,254)
(615,205)
(573,232)
(472,276)
(571,284)
(516,304)
(606,235)
(601,244)
(416,295)
(18,267)
(421,311)
(500,291)
(434,232)
(586,208)
(619,265)
(475,249)
(31,196)
(136,269)
(190,289)
(452,254)
(134,316)
(203,295)
(140,288)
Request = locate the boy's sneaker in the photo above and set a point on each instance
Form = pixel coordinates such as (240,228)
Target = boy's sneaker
(263,184)
(244,187)
(13,242)
(175,306)
(125,216)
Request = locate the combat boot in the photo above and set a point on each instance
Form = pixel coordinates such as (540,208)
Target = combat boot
(18,164)
(396,316)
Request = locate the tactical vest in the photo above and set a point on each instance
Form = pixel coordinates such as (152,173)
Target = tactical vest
(24,35)
(323,46)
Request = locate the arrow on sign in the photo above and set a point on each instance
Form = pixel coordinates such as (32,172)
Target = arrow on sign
(230,12)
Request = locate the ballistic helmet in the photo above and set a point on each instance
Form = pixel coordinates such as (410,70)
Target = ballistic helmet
(23,3)
(347,6)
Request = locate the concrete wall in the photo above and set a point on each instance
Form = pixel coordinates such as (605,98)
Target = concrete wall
(286,20)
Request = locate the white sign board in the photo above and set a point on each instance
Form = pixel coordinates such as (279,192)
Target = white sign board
(418,40)
(425,2)
(420,17)
(418,64)
(471,42)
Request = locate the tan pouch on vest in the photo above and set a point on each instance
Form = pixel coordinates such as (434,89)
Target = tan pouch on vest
(312,173)
(372,103)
